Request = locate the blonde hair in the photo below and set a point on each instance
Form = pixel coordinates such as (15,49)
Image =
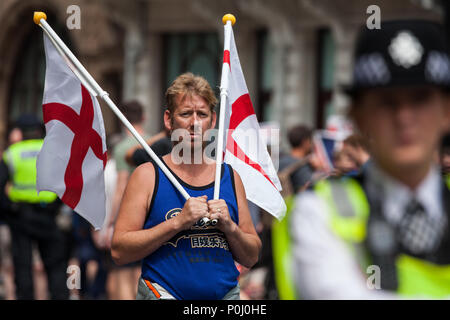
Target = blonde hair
(190,84)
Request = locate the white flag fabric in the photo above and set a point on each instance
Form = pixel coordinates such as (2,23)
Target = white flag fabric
(245,149)
(72,160)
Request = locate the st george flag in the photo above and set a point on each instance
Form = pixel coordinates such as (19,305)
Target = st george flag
(245,150)
(73,157)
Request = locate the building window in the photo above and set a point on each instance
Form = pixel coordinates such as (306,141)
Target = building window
(325,79)
(199,53)
(28,77)
(264,104)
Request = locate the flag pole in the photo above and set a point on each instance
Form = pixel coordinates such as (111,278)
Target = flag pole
(40,19)
(228,20)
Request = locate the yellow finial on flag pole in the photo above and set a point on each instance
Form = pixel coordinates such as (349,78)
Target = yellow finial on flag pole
(229,17)
(38,16)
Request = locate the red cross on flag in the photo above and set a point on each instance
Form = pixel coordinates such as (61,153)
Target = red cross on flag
(245,150)
(73,157)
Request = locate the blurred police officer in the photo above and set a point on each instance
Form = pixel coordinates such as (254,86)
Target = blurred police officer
(32,215)
(385,233)
(444,157)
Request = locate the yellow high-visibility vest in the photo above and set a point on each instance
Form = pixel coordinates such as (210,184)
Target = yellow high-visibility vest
(416,277)
(282,254)
(21,161)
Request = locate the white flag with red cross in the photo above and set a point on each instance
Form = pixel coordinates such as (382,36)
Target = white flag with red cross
(72,160)
(245,150)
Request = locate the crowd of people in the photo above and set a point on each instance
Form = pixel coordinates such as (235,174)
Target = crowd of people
(384,202)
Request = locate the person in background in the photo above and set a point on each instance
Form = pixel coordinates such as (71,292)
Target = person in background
(296,164)
(343,163)
(6,265)
(102,238)
(356,148)
(160,144)
(296,172)
(32,216)
(126,275)
(89,258)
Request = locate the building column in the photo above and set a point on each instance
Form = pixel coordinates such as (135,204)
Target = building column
(142,71)
(150,90)
(294,79)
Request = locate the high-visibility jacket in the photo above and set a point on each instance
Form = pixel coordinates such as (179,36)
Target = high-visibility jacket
(282,254)
(281,237)
(349,210)
(21,158)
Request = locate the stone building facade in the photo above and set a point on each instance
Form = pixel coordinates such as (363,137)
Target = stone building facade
(294,53)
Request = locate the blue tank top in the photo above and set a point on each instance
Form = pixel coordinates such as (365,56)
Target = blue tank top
(195,264)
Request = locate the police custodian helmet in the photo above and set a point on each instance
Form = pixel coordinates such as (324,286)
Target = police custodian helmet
(400,53)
